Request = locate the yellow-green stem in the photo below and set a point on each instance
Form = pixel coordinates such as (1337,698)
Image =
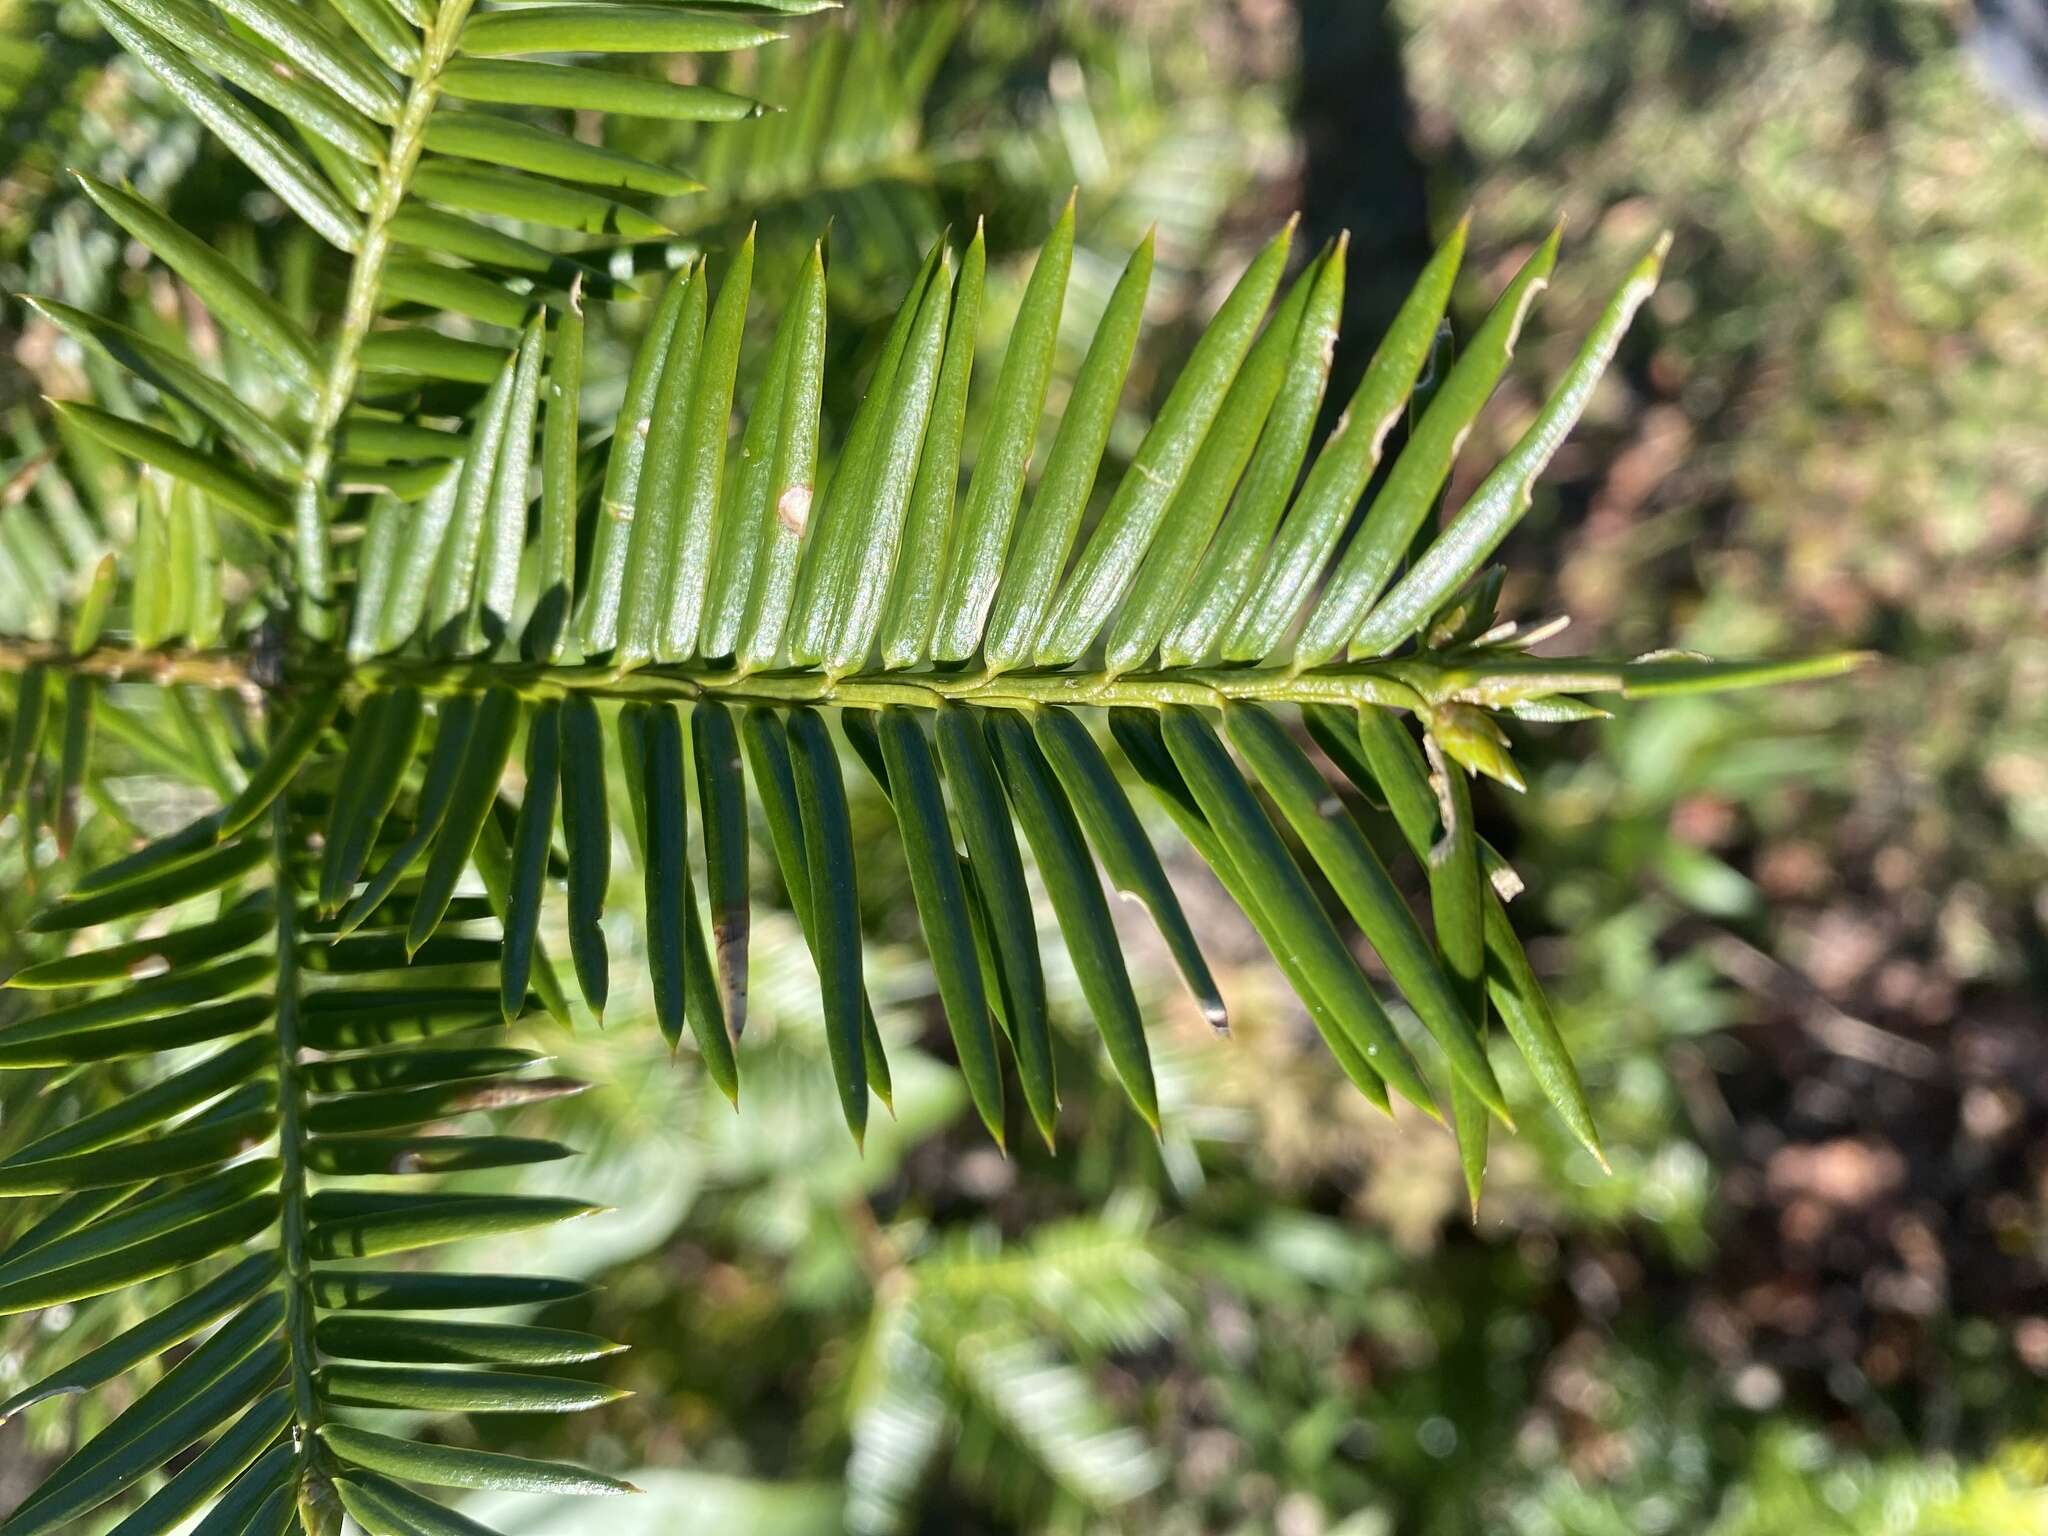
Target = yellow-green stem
(1399,682)
(317,618)
(292,1192)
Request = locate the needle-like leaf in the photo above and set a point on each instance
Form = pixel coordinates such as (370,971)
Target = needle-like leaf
(181,882)
(436,1341)
(1411,489)
(140,959)
(1126,853)
(300,98)
(1284,895)
(920,568)
(25,738)
(240,304)
(577,89)
(767,747)
(835,909)
(597,613)
(505,141)
(530,847)
(252,141)
(547,632)
(975,564)
(381,745)
(681,970)
(1138,733)
(153,1335)
(1504,495)
(1025,576)
(831,554)
(606,28)
(1319,513)
(384,1508)
(657,503)
(474,791)
(998,874)
(941,896)
(1233,558)
(163,370)
(1191,517)
(261,506)
(1397,765)
(444,1466)
(745,527)
(853,602)
(1076,892)
(321,53)
(1368,893)
(722,797)
(1108,563)
(294,744)
(1456,891)
(586,828)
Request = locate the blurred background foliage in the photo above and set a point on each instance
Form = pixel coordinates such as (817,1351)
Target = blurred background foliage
(1799,940)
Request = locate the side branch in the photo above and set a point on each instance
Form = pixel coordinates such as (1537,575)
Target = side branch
(1488,680)
(365,285)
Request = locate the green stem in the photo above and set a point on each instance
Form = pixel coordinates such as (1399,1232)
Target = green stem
(114,664)
(291,1133)
(1398,682)
(317,618)
(1389,683)
(1365,683)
